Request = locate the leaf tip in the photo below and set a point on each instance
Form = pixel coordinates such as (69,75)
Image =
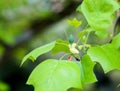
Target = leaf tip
(26,58)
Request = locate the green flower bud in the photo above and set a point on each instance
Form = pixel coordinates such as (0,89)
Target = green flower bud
(71,39)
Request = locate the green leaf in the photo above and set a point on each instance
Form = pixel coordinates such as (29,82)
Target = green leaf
(60,75)
(116,41)
(61,46)
(107,55)
(38,51)
(55,75)
(86,69)
(98,12)
(75,23)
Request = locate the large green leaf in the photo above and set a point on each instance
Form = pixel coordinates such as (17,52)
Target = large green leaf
(60,75)
(38,51)
(55,75)
(98,12)
(86,69)
(107,55)
(61,46)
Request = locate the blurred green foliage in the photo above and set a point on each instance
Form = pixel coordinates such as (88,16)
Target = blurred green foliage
(16,16)
(4,86)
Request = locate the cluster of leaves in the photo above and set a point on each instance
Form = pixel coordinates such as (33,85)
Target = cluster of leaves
(59,74)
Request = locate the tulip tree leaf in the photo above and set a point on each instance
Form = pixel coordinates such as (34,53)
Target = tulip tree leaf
(98,12)
(55,75)
(61,75)
(39,51)
(61,46)
(107,55)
